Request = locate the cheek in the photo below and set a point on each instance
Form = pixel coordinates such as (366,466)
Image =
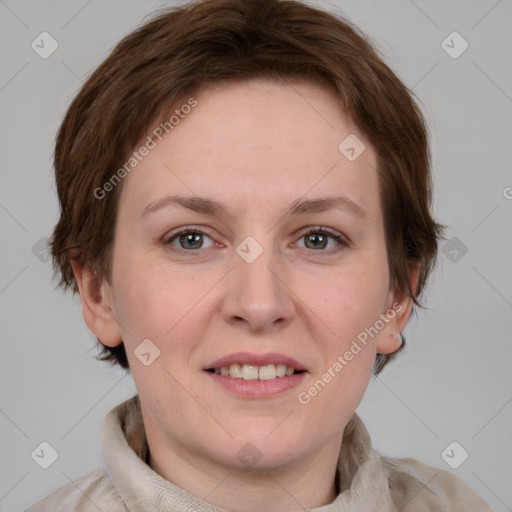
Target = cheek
(347,300)
(156,301)
(143,299)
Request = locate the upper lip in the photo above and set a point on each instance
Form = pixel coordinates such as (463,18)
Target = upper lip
(255,360)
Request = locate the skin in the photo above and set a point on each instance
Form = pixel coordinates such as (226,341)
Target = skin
(255,146)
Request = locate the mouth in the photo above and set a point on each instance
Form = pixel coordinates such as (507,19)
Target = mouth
(252,372)
(256,376)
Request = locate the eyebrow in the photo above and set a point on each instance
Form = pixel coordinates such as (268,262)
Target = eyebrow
(298,207)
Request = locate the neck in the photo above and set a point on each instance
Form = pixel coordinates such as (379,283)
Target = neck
(304,484)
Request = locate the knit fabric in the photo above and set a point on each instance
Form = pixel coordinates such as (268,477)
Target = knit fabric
(367,481)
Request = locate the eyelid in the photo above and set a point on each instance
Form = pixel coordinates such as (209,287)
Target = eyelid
(174,234)
(183,230)
(339,237)
(323,229)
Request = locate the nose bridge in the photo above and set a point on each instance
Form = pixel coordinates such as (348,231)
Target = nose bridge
(254,263)
(257,293)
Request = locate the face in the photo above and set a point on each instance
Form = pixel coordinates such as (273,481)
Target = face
(226,260)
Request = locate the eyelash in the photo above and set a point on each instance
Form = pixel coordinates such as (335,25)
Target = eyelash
(341,239)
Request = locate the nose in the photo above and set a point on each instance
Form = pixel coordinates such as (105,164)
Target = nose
(258,297)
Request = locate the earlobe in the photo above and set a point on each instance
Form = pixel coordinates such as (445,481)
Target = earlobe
(398,315)
(389,340)
(97,305)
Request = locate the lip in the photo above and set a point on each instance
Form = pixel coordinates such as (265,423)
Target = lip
(256,360)
(257,388)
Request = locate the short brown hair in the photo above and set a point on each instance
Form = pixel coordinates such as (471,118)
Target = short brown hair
(185,49)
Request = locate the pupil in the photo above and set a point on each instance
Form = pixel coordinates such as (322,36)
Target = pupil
(193,238)
(316,237)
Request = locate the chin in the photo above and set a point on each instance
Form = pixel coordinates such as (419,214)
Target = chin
(264,449)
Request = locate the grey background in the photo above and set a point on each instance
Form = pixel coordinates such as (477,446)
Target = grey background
(454,383)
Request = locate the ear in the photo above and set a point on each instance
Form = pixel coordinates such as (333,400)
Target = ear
(397,315)
(97,305)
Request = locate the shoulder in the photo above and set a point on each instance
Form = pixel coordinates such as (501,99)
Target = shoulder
(89,493)
(417,487)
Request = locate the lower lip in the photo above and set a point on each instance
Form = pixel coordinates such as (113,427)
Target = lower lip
(257,388)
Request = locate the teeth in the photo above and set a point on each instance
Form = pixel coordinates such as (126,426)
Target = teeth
(235,371)
(249,372)
(268,372)
(252,372)
(281,370)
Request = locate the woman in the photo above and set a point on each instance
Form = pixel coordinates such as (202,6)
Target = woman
(245,211)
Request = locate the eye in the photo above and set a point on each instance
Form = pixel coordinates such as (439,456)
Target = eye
(189,240)
(318,238)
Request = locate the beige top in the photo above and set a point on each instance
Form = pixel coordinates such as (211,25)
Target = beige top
(367,481)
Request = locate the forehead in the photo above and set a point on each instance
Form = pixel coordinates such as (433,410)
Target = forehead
(258,141)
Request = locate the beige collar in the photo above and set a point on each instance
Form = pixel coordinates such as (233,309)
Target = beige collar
(362,478)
